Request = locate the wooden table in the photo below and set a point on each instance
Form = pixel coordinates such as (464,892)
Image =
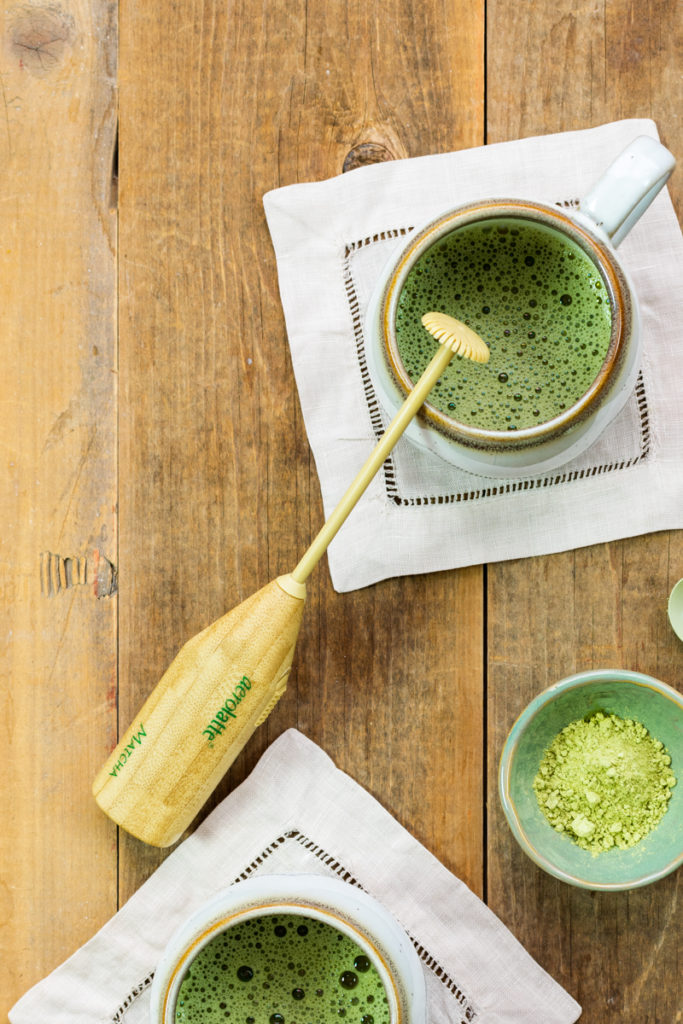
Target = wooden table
(158,470)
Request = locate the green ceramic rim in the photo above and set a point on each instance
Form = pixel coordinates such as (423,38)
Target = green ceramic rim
(509,747)
(674,612)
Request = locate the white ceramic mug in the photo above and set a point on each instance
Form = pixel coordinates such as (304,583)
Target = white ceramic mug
(346,908)
(603,218)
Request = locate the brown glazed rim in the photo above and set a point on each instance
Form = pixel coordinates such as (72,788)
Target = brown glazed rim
(617,291)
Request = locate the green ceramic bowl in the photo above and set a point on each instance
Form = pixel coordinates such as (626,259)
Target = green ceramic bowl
(630,695)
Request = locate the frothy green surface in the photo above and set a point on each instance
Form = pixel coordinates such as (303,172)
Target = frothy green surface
(282,969)
(535,298)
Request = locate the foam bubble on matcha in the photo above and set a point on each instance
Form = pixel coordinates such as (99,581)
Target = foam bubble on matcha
(605,782)
(282,969)
(537,300)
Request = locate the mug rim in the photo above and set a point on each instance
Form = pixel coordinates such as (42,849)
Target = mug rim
(269,909)
(616,287)
(345,908)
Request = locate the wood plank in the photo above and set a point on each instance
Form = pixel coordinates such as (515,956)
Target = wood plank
(218,489)
(556,66)
(597,607)
(58,502)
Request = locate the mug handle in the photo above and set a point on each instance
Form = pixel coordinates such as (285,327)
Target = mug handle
(627,188)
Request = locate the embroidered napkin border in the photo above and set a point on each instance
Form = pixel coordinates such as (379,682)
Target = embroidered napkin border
(595,462)
(464,1007)
(331,240)
(297,813)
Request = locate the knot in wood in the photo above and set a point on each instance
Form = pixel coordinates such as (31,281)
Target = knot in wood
(40,37)
(366,153)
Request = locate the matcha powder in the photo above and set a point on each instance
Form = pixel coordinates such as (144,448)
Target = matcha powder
(605,782)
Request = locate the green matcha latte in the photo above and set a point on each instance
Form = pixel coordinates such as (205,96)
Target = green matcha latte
(537,300)
(282,969)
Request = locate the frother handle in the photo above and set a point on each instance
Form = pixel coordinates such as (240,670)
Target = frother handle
(628,186)
(219,688)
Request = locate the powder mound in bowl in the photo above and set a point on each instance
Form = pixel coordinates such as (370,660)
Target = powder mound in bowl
(605,782)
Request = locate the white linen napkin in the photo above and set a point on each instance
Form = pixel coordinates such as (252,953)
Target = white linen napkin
(297,813)
(420,514)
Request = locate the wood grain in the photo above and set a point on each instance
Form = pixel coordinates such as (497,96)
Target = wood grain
(410,685)
(553,67)
(58,499)
(218,491)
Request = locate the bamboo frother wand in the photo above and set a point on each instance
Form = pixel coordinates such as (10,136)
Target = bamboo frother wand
(226,680)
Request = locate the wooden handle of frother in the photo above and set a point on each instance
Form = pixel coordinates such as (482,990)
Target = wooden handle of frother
(222,684)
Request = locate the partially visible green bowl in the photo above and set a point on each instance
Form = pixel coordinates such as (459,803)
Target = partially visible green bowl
(629,695)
